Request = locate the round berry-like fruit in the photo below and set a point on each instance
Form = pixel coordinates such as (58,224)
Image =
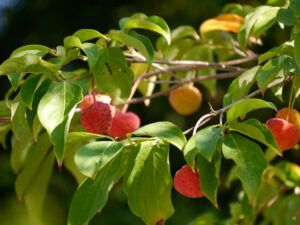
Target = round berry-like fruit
(187,183)
(185,100)
(96,118)
(294,116)
(123,123)
(286,134)
(89,100)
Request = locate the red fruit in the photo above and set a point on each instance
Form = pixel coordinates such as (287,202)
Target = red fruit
(96,118)
(123,123)
(286,134)
(89,100)
(187,183)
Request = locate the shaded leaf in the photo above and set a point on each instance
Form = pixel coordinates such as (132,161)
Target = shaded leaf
(250,160)
(295,6)
(92,157)
(286,48)
(165,131)
(244,106)
(149,197)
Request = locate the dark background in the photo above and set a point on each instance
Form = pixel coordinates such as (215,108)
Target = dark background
(47,22)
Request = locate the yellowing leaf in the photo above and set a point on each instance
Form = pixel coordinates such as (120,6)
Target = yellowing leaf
(225,22)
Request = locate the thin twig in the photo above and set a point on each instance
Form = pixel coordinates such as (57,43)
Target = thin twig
(207,117)
(160,93)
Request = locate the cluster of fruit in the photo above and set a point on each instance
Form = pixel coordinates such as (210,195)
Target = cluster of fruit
(100,117)
(285,128)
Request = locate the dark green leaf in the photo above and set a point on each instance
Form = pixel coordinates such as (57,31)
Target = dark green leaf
(36,192)
(209,175)
(92,157)
(149,197)
(240,86)
(4,129)
(29,88)
(139,42)
(74,141)
(88,34)
(165,131)
(34,158)
(153,23)
(207,141)
(250,160)
(286,17)
(259,132)
(244,106)
(38,50)
(55,112)
(92,194)
(27,64)
(297,49)
(14,79)
(286,48)
(269,72)
(112,74)
(295,6)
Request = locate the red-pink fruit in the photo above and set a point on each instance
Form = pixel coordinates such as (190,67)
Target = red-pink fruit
(96,118)
(123,123)
(286,134)
(187,183)
(89,100)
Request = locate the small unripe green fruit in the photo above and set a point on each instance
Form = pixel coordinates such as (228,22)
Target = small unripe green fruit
(185,100)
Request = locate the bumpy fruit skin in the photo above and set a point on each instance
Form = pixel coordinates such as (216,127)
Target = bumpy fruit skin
(294,116)
(89,100)
(187,183)
(286,134)
(185,100)
(96,118)
(123,123)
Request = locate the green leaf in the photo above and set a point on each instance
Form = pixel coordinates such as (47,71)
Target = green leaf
(190,151)
(27,64)
(140,42)
(257,22)
(36,192)
(240,86)
(72,42)
(29,88)
(4,110)
(288,210)
(34,158)
(92,157)
(209,175)
(286,17)
(259,132)
(184,32)
(290,173)
(244,106)
(297,49)
(92,51)
(92,194)
(286,48)
(269,72)
(55,112)
(153,23)
(112,74)
(250,160)
(88,34)
(165,131)
(14,79)
(295,6)
(20,149)
(149,197)
(17,117)
(207,141)
(74,141)
(38,50)
(4,129)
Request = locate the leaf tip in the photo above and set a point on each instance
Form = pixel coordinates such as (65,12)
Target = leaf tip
(99,211)
(160,222)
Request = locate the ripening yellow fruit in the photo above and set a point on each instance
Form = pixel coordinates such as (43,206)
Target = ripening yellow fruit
(185,100)
(294,116)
